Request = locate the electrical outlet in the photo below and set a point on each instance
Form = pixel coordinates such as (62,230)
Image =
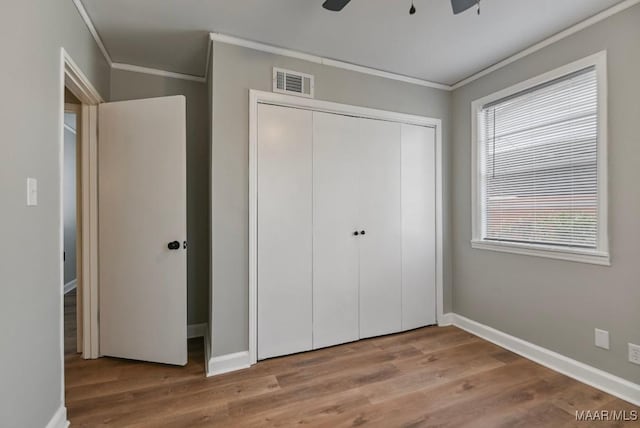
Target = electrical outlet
(602,339)
(634,353)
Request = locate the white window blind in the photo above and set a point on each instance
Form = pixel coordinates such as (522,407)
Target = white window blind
(538,164)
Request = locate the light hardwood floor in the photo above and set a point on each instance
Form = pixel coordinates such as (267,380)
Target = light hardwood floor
(433,376)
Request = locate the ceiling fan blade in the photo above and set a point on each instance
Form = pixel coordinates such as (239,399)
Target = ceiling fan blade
(335,5)
(460,6)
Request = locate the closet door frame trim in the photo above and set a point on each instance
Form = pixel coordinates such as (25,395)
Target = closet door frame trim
(261,97)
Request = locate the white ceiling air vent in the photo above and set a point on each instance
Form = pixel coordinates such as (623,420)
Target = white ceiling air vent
(292,82)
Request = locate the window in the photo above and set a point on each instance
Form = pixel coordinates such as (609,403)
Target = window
(540,166)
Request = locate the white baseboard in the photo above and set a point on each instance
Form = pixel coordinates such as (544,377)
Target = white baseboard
(197,330)
(59,419)
(71,285)
(584,373)
(447,319)
(228,363)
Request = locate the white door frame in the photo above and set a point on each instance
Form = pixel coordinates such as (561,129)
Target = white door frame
(260,97)
(75,80)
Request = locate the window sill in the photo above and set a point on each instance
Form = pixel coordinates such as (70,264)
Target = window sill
(572,255)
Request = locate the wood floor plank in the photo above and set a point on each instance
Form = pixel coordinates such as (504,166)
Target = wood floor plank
(544,415)
(434,376)
(176,399)
(494,410)
(414,407)
(579,397)
(320,387)
(428,375)
(339,366)
(310,412)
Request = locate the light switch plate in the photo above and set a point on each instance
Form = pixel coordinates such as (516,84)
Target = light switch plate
(32,192)
(634,353)
(602,339)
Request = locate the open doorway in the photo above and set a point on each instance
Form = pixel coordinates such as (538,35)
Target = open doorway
(78,212)
(77,141)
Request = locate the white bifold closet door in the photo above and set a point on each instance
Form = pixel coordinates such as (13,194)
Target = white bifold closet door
(418,227)
(284,231)
(336,171)
(380,220)
(346,239)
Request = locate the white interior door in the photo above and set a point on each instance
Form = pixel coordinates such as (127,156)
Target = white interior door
(335,220)
(418,227)
(380,247)
(284,230)
(142,208)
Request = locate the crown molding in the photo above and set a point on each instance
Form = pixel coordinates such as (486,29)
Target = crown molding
(157,72)
(549,41)
(223,38)
(129,67)
(92,29)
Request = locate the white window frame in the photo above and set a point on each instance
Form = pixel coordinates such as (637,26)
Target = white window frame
(599,255)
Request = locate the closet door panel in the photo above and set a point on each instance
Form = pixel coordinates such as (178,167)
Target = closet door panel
(284,231)
(380,218)
(418,227)
(335,218)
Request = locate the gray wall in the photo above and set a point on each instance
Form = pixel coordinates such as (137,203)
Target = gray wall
(30,270)
(70,198)
(235,71)
(557,304)
(126,85)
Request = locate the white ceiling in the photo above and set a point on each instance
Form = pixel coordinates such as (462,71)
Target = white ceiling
(432,45)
